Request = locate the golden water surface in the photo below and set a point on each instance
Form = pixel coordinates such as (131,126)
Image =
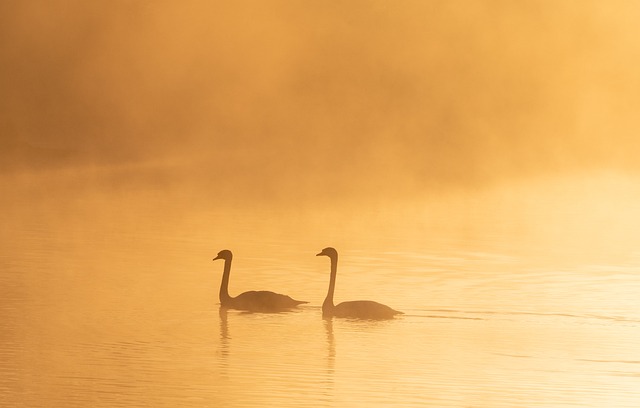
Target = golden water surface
(520,295)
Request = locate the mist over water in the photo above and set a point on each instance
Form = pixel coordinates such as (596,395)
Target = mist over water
(473,163)
(275,99)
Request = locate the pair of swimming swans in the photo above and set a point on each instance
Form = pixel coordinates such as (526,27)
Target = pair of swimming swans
(266,301)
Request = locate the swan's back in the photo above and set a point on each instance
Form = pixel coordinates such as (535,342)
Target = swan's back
(362,309)
(262,301)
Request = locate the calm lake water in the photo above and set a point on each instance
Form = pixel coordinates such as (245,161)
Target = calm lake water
(514,296)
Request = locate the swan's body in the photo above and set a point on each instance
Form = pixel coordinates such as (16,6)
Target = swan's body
(256,301)
(361,309)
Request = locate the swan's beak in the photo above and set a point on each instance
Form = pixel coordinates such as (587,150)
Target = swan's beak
(217,257)
(321,253)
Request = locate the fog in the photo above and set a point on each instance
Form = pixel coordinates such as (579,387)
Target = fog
(285,99)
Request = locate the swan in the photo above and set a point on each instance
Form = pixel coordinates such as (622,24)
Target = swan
(362,309)
(256,301)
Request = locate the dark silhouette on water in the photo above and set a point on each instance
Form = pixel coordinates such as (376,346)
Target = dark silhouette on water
(253,301)
(361,309)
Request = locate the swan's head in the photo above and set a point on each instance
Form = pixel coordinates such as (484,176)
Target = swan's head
(330,252)
(224,254)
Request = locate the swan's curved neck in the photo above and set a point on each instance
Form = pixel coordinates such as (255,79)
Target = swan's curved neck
(328,301)
(224,287)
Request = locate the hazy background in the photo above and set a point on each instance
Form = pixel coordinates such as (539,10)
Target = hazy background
(289,100)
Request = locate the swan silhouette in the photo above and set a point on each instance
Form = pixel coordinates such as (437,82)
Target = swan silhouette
(361,309)
(255,301)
